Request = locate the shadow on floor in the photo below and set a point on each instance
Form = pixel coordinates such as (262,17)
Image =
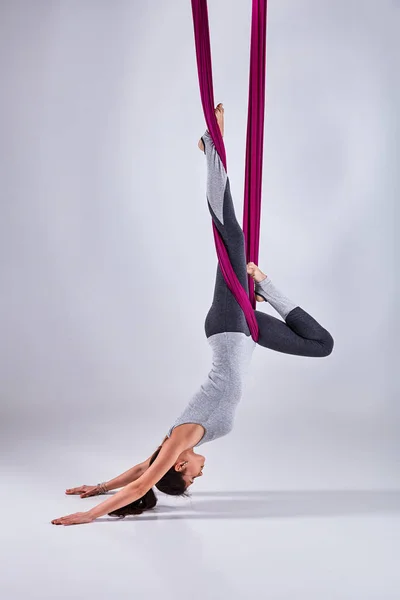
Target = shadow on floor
(277,504)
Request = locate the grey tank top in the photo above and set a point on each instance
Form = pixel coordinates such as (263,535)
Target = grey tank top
(213,405)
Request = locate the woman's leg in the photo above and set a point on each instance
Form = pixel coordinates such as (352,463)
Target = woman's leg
(298,334)
(220,204)
(225,313)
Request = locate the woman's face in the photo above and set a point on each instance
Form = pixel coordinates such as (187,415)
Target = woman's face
(191,465)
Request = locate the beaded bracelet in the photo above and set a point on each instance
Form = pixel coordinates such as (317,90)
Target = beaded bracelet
(103,487)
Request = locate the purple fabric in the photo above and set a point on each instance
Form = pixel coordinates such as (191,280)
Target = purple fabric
(255,136)
(255,126)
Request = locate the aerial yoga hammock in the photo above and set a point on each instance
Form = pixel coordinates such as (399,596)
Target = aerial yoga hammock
(232,326)
(254,147)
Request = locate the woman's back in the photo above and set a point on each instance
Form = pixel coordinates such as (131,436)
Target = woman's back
(213,405)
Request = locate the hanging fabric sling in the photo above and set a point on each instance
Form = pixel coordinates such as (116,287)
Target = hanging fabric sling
(254,143)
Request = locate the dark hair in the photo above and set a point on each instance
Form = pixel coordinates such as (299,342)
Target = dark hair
(172,483)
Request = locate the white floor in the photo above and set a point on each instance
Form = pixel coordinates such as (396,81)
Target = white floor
(322,545)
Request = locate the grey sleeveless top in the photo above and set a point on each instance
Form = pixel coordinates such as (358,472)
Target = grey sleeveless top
(213,405)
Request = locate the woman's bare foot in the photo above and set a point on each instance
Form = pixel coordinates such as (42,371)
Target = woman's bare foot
(257,275)
(255,272)
(219,115)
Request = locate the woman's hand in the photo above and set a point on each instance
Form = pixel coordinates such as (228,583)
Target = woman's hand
(84,490)
(75,519)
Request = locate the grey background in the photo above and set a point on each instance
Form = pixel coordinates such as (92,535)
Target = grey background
(108,265)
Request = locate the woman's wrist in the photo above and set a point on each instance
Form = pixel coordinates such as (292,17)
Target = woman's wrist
(103,488)
(262,284)
(90,513)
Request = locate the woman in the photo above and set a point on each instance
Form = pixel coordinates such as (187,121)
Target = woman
(209,414)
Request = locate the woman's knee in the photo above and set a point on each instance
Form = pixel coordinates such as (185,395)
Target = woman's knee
(327,343)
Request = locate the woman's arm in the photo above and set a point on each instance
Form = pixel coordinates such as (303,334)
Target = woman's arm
(130,475)
(169,453)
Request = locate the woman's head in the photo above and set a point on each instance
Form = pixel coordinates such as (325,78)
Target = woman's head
(175,482)
(190,466)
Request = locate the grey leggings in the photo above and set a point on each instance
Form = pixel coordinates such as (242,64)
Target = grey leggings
(299,333)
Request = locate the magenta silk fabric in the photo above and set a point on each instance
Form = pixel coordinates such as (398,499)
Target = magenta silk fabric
(254,147)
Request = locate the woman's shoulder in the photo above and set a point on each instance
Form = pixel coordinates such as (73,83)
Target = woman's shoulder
(188,434)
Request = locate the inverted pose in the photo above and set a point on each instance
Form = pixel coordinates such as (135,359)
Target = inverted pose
(210,413)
